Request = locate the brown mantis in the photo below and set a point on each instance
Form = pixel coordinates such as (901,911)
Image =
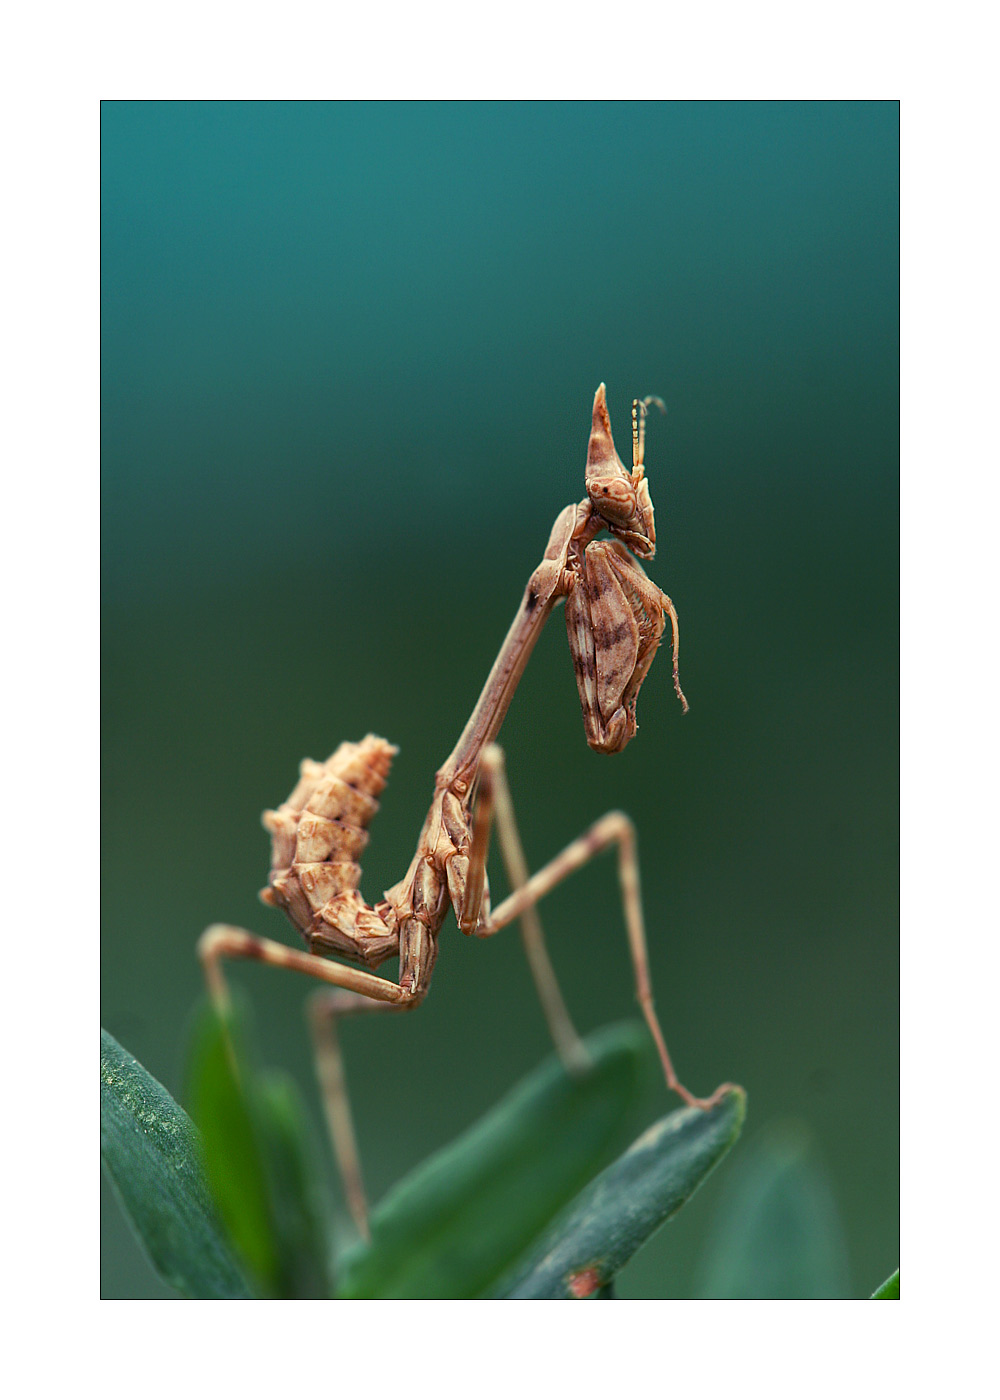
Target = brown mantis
(614,622)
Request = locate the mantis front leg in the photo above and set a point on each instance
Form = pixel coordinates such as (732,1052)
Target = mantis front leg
(614,623)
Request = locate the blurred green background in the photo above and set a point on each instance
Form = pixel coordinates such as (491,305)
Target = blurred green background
(349,355)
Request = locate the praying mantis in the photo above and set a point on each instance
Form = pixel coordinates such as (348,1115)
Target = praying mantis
(615,619)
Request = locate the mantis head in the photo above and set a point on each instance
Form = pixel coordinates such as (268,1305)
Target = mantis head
(620,498)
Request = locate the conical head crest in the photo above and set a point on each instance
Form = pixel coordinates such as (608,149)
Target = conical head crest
(601,454)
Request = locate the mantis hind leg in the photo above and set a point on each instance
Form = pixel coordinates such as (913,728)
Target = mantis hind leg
(356,991)
(324,1008)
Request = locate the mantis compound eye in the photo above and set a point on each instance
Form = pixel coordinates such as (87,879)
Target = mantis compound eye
(613,499)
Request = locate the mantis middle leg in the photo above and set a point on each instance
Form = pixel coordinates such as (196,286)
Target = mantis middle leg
(614,828)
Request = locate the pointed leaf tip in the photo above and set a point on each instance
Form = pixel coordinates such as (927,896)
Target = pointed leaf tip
(612,1218)
(889,1289)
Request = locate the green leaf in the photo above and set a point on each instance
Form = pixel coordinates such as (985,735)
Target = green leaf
(234,1159)
(456,1223)
(889,1289)
(612,1217)
(777,1234)
(299,1203)
(258,1160)
(152,1154)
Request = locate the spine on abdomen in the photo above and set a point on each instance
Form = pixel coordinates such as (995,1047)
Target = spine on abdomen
(319,833)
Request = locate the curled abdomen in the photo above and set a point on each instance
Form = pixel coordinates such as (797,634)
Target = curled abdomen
(319,833)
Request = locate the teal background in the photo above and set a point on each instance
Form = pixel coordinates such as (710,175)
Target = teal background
(349,354)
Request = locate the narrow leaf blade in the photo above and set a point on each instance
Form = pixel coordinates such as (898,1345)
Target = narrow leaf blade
(152,1153)
(233,1153)
(299,1202)
(612,1217)
(456,1223)
(259,1160)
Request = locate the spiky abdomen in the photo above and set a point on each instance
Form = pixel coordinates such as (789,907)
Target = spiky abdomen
(319,833)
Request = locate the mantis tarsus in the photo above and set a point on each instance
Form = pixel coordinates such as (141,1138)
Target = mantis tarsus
(614,623)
